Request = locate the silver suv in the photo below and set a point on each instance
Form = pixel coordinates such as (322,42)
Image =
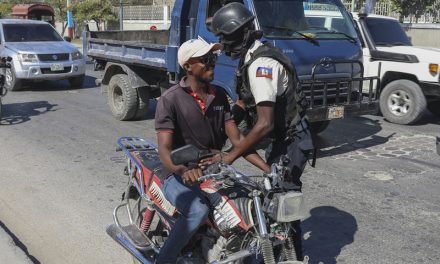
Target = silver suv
(38,53)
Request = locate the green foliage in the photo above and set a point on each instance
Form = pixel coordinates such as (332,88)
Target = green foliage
(60,7)
(5,9)
(93,10)
(411,7)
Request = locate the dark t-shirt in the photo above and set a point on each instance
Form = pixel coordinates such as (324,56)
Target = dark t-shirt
(179,113)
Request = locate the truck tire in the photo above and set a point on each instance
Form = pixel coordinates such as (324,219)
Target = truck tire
(77,81)
(122,98)
(402,102)
(318,127)
(434,107)
(144,99)
(11,82)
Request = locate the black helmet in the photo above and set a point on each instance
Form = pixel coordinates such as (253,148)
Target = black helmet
(230,18)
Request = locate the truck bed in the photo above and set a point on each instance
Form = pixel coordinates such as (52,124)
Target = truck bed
(140,47)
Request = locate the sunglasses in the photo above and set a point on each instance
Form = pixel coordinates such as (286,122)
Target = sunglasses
(210,58)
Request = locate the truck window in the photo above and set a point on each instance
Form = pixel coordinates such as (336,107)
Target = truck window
(322,19)
(387,32)
(30,32)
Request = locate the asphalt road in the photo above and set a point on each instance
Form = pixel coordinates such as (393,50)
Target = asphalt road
(373,197)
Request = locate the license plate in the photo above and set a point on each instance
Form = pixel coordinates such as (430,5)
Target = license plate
(335,112)
(57,67)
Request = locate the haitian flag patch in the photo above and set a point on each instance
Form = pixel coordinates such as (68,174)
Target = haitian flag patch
(264,72)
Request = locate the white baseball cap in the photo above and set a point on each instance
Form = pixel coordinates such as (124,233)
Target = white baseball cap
(194,48)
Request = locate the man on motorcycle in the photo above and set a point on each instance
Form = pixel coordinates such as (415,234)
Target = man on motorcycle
(198,113)
(266,84)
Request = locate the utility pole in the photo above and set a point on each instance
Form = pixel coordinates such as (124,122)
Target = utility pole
(69,21)
(353,3)
(121,15)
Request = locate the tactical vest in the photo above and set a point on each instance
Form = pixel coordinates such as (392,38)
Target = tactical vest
(289,107)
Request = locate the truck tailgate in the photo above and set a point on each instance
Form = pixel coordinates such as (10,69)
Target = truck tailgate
(128,52)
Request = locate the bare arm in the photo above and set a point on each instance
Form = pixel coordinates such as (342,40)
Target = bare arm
(264,125)
(252,156)
(165,143)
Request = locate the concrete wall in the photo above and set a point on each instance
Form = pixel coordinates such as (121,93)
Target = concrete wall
(426,35)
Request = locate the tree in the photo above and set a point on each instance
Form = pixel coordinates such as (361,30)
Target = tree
(93,10)
(5,9)
(411,7)
(60,8)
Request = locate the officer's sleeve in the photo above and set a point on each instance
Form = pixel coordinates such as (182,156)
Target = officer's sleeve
(165,118)
(263,80)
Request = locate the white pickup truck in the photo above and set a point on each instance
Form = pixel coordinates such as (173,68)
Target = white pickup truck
(409,76)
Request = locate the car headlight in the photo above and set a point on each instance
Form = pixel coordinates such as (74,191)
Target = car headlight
(76,55)
(26,57)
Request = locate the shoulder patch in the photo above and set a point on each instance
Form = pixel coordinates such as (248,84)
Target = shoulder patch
(265,72)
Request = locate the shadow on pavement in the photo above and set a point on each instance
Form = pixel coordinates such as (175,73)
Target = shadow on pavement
(346,135)
(428,118)
(18,113)
(327,230)
(61,85)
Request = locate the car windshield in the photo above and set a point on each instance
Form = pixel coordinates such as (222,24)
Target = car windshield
(30,32)
(387,32)
(317,19)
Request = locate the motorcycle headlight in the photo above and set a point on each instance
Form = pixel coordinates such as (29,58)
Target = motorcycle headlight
(285,207)
(26,57)
(76,55)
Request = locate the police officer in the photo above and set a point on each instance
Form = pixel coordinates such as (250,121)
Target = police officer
(270,98)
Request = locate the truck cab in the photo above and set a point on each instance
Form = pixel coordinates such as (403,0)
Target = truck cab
(409,76)
(315,35)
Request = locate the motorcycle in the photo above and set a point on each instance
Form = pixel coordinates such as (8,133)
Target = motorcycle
(4,63)
(251,216)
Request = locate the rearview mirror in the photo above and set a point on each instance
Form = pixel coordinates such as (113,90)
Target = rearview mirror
(185,154)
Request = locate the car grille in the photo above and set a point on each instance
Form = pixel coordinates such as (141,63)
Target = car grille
(336,93)
(54,57)
(48,71)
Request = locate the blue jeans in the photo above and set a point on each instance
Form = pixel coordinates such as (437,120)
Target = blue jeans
(193,208)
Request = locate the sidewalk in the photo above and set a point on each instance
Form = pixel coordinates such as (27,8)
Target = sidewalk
(9,252)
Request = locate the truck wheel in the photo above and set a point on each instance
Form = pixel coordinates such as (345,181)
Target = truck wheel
(402,102)
(77,81)
(318,127)
(11,82)
(122,98)
(144,99)
(434,107)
